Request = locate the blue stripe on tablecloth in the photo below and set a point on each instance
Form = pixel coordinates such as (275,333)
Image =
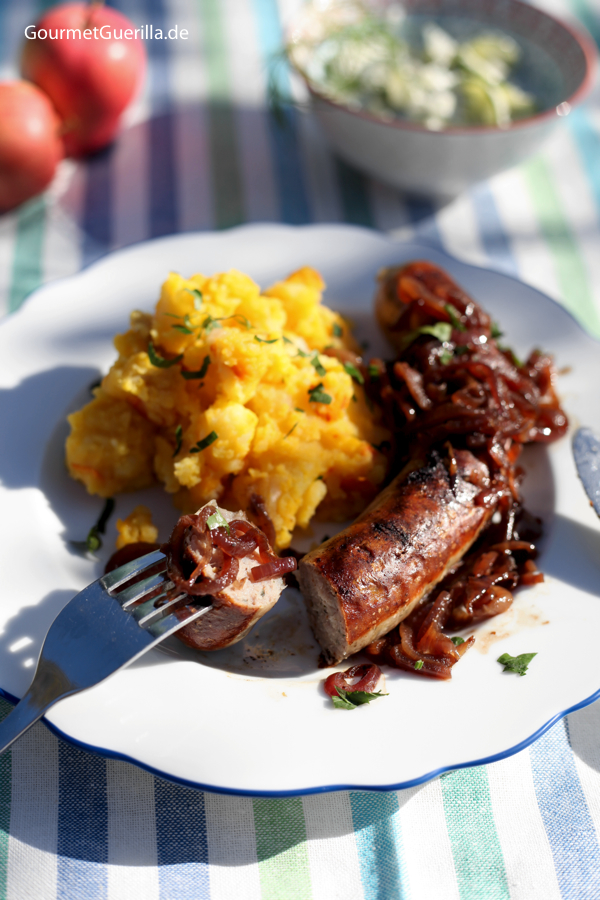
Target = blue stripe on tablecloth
(421,215)
(97,207)
(379,843)
(494,239)
(182,847)
(566,816)
(162,189)
(356,204)
(82,844)
(285,145)
(5,804)
(587,142)
(5,49)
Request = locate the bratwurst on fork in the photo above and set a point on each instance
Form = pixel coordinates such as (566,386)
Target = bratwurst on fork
(221,557)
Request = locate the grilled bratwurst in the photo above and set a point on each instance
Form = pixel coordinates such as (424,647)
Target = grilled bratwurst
(365,580)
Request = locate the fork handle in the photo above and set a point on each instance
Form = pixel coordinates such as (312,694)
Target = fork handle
(20,719)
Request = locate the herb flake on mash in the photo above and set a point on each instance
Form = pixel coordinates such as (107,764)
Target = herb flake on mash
(225,391)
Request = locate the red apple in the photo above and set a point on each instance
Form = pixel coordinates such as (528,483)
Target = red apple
(30,142)
(90,78)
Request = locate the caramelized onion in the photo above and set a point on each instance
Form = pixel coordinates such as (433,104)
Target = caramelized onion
(257,511)
(231,544)
(368,676)
(276,568)
(469,395)
(203,561)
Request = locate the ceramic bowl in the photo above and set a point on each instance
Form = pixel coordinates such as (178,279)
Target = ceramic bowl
(557,65)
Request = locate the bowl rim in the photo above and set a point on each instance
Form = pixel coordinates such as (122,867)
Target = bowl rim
(577,32)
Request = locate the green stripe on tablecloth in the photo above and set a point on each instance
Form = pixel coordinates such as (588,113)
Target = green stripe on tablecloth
(223,143)
(355,198)
(571,271)
(5,796)
(281,850)
(27,261)
(478,858)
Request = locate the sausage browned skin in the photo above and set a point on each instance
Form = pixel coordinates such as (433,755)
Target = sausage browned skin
(365,580)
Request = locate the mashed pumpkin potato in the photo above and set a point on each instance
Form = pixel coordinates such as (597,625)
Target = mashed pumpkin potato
(225,391)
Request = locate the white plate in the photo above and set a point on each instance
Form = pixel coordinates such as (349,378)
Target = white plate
(253,719)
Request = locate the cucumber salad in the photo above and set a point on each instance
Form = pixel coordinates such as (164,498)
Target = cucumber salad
(375,63)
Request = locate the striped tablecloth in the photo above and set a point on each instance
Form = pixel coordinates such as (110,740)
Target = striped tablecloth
(201,151)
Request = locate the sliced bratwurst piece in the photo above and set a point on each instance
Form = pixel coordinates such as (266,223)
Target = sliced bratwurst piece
(221,557)
(361,583)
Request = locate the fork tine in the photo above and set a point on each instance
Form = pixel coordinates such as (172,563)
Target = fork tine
(160,611)
(147,611)
(119,576)
(172,623)
(141,611)
(141,588)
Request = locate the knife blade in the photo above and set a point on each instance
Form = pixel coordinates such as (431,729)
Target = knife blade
(586,451)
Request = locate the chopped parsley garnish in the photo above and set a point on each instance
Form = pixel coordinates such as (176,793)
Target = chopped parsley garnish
(419,664)
(516,361)
(496,332)
(159,361)
(318,365)
(210,322)
(290,431)
(461,349)
(186,328)
(197,295)
(205,442)
(264,340)
(286,340)
(337,330)
(353,372)
(354,699)
(93,540)
(454,317)
(516,664)
(441,330)
(178,439)
(201,371)
(318,395)
(297,408)
(302,353)
(373,371)
(446,357)
(457,640)
(217,520)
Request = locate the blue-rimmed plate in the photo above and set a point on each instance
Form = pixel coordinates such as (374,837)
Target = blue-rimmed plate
(253,719)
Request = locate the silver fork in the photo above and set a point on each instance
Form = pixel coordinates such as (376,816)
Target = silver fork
(98,632)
